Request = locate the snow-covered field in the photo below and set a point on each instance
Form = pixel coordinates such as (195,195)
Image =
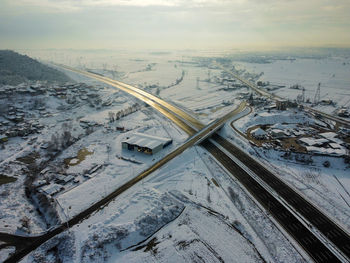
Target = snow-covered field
(332,72)
(190,209)
(200,91)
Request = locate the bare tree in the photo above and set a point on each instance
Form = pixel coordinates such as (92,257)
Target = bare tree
(66,135)
(54,143)
(111,116)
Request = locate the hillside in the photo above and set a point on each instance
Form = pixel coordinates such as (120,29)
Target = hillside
(16,68)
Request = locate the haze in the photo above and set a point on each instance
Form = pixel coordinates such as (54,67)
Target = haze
(179,24)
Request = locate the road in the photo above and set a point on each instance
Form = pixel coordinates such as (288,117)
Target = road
(316,249)
(140,94)
(24,245)
(326,226)
(254,87)
(306,238)
(314,216)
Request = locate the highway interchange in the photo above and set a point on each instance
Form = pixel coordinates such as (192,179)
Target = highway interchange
(269,95)
(318,235)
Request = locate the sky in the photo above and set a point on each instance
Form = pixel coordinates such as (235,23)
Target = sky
(177,24)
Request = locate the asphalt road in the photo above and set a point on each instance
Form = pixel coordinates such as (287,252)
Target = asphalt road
(325,225)
(24,245)
(291,224)
(341,121)
(318,219)
(142,95)
(317,251)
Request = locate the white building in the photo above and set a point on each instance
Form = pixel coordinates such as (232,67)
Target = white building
(145,143)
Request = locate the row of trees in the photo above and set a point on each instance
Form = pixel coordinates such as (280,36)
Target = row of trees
(113,116)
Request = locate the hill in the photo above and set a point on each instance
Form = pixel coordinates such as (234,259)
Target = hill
(16,68)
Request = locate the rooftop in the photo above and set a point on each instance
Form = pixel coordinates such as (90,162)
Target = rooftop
(147,141)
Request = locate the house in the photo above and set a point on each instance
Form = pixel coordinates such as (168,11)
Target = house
(281,104)
(64,179)
(331,136)
(277,133)
(145,143)
(39,183)
(259,134)
(51,189)
(307,141)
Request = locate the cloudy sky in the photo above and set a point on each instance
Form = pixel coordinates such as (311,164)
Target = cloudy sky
(180,24)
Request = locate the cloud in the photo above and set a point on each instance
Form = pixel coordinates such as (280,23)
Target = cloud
(76,5)
(101,23)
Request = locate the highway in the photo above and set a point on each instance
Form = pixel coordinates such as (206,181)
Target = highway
(314,216)
(254,87)
(140,94)
(24,245)
(290,222)
(306,239)
(326,226)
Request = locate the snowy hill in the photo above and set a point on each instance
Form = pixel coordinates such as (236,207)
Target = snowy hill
(16,68)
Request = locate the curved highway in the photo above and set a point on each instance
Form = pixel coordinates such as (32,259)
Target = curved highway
(137,92)
(317,250)
(251,85)
(326,226)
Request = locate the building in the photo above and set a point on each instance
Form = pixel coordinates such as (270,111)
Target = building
(259,134)
(281,104)
(278,134)
(64,179)
(51,189)
(145,143)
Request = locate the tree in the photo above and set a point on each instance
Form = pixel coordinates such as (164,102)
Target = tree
(111,116)
(54,143)
(66,133)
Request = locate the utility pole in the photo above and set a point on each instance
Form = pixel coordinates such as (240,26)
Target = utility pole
(303,95)
(318,94)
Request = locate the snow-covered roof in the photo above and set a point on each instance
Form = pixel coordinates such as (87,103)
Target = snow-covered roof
(312,141)
(51,189)
(335,145)
(279,132)
(332,137)
(258,132)
(297,133)
(326,151)
(328,135)
(147,141)
(278,126)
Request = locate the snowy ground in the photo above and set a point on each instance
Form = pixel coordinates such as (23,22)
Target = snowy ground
(190,209)
(204,99)
(328,188)
(332,72)
(106,148)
